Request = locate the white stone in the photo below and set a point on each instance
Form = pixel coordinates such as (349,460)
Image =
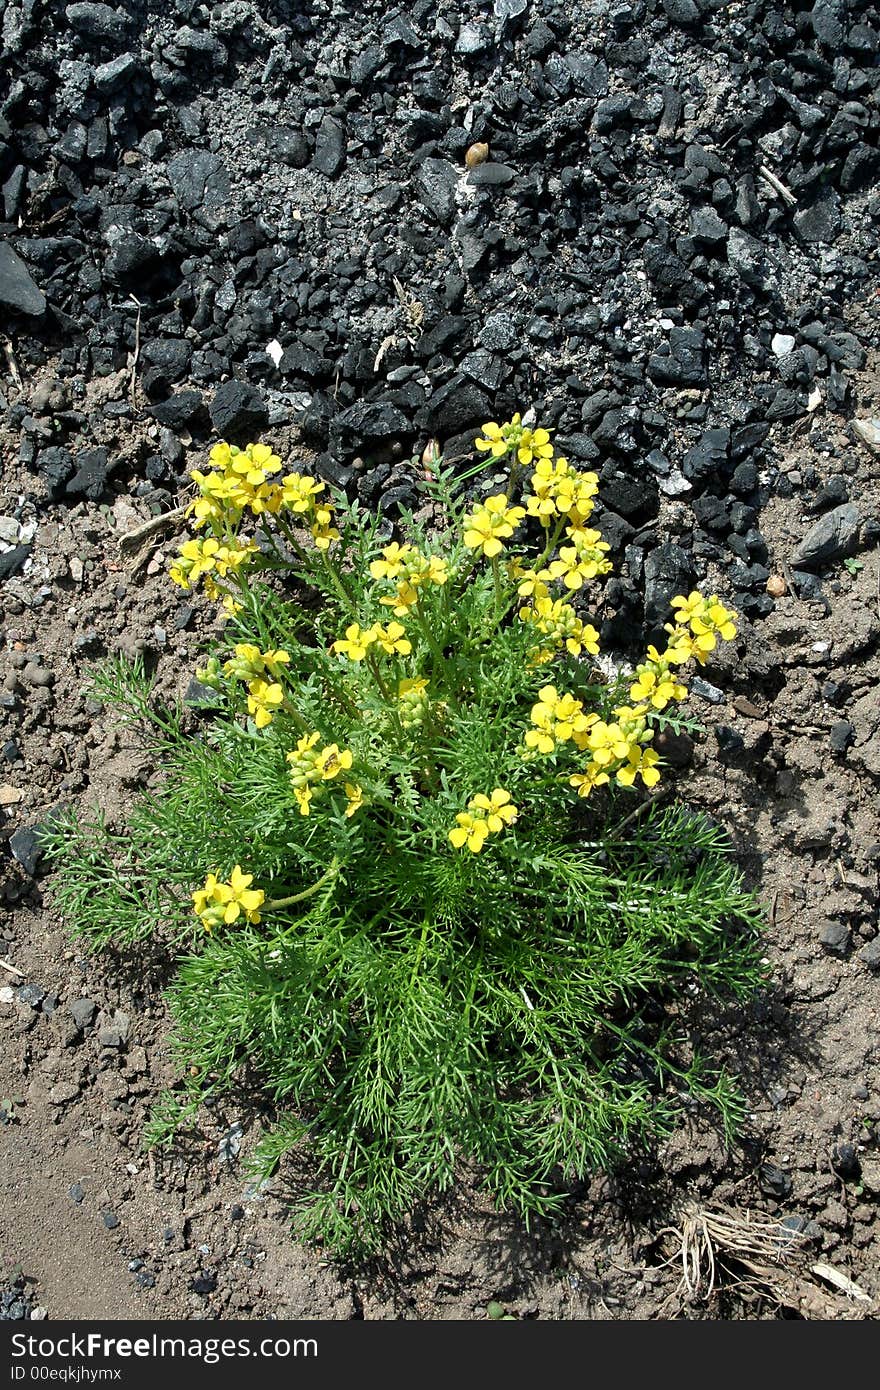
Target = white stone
(868,431)
(782,344)
(9,529)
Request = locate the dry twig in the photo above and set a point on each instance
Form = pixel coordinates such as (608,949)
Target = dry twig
(785,193)
(132,539)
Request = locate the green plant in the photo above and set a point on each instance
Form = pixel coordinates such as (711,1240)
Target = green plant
(853,566)
(401,858)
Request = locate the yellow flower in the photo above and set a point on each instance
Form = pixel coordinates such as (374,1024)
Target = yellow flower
(255,464)
(641,762)
(532,445)
(356,642)
(655,681)
(196,558)
(592,776)
(486,815)
(394,560)
(469,830)
(608,743)
(220,902)
(493,439)
(264,699)
(500,810)
(557,718)
(581,561)
(486,526)
(298,491)
(322,528)
(413,698)
(332,761)
(557,619)
(402,601)
(391,639)
(249,663)
(355,797)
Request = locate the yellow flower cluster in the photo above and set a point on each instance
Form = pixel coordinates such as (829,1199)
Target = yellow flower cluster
(246,480)
(358,640)
(513,437)
(409,569)
(485,815)
(219,902)
(617,749)
(699,622)
(311,767)
(491,523)
(557,718)
(249,664)
(203,559)
(557,620)
(582,560)
(558,490)
(656,682)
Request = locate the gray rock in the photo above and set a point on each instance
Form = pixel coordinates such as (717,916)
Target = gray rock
(868,432)
(238,411)
(834,536)
(36,675)
(489,175)
(782,344)
(841,736)
(199,179)
(869,955)
(370,420)
(499,333)
(17,288)
(669,570)
(82,1011)
(682,11)
(12,560)
(472,40)
(436,182)
(30,994)
(746,255)
(820,221)
(683,365)
(828,18)
(98,21)
(109,77)
(330,147)
(834,936)
(26,849)
(707,227)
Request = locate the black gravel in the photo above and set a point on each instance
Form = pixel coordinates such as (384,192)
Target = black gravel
(266,211)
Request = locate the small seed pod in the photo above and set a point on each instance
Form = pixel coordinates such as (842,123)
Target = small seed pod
(476,154)
(430,455)
(776,586)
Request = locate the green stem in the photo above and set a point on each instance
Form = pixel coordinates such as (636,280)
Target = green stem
(377,676)
(551,544)
(290,538)
(278,903)
(295,716)
(431,639)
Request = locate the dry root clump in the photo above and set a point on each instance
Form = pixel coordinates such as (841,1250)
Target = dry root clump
(759,1258)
